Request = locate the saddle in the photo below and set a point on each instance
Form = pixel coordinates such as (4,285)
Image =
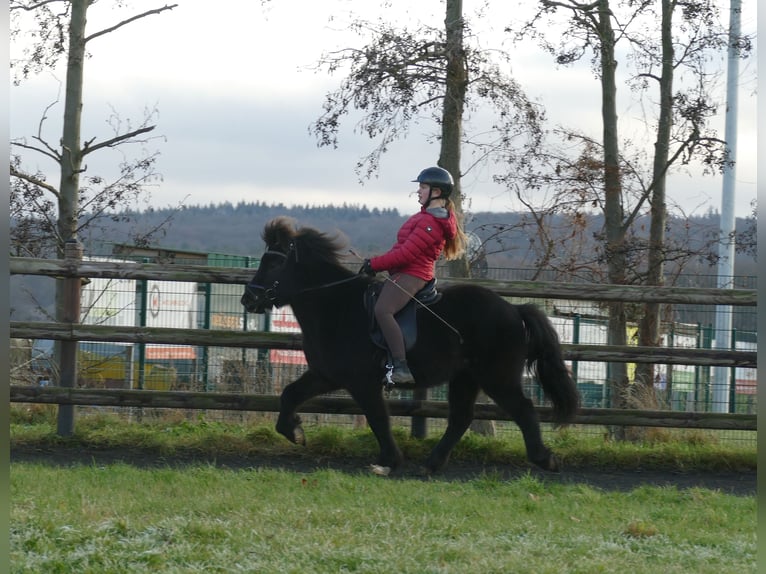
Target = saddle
(406,317)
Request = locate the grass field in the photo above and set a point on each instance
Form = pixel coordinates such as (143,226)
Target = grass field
(198,517)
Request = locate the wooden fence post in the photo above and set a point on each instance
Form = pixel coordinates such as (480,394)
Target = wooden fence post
(68,367)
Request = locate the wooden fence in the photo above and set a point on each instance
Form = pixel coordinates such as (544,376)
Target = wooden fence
(71,332)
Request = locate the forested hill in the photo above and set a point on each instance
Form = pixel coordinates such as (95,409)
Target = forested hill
(236,229)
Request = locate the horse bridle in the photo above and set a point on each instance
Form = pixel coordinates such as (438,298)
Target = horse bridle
(270,293)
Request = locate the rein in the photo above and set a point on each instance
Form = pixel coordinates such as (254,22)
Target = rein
(294,249)
(423,306)
(272,295)
(427,308)
(271,292)
(326,285)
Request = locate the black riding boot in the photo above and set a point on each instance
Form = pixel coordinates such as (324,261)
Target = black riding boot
(401,372)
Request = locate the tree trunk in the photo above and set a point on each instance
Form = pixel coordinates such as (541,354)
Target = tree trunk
(452,114)
(613,210)
(71,154)
(649,326)
(452,136)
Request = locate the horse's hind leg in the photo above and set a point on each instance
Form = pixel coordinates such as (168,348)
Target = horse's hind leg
(509,395)
(461,396)
(305,387)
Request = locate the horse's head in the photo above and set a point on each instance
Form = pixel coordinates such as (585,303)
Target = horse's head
(296,261)
(264,290)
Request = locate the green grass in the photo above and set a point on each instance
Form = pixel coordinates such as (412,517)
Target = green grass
(665,449)
(120,518)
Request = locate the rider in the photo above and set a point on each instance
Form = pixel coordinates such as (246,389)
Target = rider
(412,259)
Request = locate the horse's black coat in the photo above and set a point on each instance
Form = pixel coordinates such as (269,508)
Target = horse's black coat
(497,340)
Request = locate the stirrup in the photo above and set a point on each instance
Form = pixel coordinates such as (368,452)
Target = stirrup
(388,382)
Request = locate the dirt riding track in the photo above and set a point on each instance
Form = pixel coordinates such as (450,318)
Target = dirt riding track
(741,483)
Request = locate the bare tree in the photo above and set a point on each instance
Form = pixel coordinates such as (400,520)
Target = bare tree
(61,31)
(615,183)
(402,77)
(682,132)
(590,27)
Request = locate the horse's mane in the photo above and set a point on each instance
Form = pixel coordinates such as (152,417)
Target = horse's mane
(283,230)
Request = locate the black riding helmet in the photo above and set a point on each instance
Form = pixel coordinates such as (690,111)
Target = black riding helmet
(437,177)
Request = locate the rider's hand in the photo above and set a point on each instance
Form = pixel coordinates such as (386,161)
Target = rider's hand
(366,269)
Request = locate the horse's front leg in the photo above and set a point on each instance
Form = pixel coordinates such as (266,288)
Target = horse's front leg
(305,387)
(368,394)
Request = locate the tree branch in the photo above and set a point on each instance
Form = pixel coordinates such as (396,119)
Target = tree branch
(128,21)
(115,140)
(34,180)
(50,154)
(32,7)
(570,5)
(648,75)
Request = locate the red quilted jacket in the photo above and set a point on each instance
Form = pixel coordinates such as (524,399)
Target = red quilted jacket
(419,243)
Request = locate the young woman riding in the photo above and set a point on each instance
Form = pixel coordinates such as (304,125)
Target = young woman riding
(411,261)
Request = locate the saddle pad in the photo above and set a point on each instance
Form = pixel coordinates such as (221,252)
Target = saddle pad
(406,317)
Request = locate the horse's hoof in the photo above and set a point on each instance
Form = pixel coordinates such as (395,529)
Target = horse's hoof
(434,465)
(424,471)
(380,470)
(550,463)
(294,434)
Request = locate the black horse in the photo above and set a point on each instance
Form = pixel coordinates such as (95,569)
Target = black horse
(471,340)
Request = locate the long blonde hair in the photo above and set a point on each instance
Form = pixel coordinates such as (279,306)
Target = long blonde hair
(455,246)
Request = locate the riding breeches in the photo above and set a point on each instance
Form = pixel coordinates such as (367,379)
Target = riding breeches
(396,292)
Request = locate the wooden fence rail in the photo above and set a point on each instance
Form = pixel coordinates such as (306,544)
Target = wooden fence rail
(346,406)
(66,396)
(534,289)
(270,340)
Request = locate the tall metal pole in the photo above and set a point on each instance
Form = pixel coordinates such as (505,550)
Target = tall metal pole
(723,324)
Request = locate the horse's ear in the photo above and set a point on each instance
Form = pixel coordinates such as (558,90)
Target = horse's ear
(279,231)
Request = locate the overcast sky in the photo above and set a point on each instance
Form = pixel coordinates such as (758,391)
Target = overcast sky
(235,96)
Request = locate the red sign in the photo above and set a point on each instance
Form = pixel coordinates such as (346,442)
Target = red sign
(283,321)
(157,352)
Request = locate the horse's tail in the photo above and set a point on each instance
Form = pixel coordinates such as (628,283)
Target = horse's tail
(544,357)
